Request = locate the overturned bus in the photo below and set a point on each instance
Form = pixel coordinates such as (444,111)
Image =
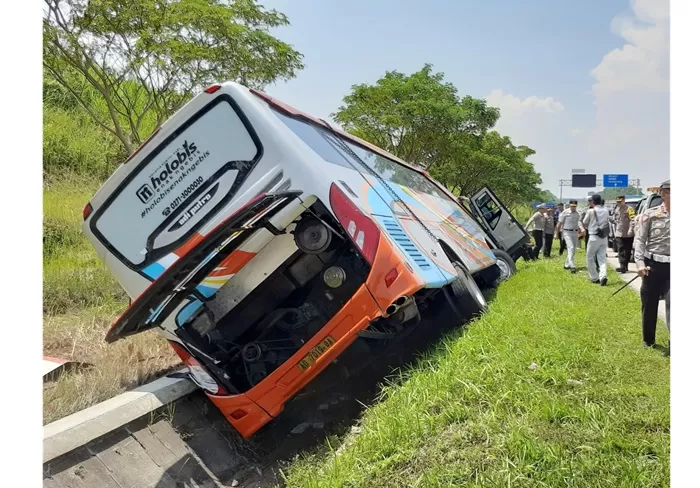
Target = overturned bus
(262,242)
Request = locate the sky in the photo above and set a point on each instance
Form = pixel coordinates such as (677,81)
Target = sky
(583,83)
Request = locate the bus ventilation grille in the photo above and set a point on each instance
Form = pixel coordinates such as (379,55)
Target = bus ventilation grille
(400,237)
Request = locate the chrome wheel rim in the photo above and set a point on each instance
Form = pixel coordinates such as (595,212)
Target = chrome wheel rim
(505,269)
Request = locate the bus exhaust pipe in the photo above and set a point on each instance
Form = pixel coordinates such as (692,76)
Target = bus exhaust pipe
(398,304)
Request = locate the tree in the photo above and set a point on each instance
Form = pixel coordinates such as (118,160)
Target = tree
(547,196)
(495,162)
(143,58)
(421,119)
(415,117)
(610,194)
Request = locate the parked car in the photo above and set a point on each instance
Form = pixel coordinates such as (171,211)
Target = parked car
(262,243)
(651,200)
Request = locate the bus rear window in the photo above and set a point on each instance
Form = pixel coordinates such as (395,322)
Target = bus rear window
(162,202)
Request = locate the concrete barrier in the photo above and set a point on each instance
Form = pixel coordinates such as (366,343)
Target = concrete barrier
(186,444)
(80,428)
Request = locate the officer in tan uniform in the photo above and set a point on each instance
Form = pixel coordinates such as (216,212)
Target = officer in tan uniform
(570,227)
(652,254)
(548,233)
(537,220)
(624,233)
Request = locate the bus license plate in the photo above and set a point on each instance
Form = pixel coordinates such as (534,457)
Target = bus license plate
(316,353)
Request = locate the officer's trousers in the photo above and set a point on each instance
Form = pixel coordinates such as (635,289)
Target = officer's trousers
(537,234)
(655,285)
(562,243)
(595,258)
(624,250)
(547,246)
(571,239)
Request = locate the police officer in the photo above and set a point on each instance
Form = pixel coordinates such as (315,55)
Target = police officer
(537,220)
(557,213)
(590,206)
(597,224)
(624,233)
(652,253)
(570,226)
(548,233)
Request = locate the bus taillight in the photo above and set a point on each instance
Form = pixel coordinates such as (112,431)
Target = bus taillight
(361,229)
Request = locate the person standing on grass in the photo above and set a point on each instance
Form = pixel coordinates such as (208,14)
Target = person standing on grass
(548,233)
(537,220)
(590,206)
(624,233)
(557,213)
(652,254)
(597,225)
(570,225)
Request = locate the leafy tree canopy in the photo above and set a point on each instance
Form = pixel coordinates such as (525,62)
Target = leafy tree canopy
(422,119)
(143,58)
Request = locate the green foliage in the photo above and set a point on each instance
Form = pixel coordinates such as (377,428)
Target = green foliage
(547,196)
(610,194)
(74,277)
(422,119)
(73,144)
(131,63)
(414,117)
(493,161)
(593,412)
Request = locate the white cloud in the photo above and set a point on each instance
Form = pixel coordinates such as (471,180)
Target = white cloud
(539,123)
(631,95)
(511,105)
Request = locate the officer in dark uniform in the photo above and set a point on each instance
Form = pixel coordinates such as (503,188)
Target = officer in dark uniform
(558,234)
(652,253)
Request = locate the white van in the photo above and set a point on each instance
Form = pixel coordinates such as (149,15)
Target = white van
(262,242)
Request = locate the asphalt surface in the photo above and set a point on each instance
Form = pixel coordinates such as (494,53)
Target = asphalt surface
(636,284)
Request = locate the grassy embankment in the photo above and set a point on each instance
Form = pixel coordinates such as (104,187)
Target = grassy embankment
(81,299)
(550,388)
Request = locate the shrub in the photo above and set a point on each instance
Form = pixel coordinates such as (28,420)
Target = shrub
(74,276)
(75,144)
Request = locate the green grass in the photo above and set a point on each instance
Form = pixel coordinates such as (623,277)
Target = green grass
(594,413)
(81,300)
(74,276)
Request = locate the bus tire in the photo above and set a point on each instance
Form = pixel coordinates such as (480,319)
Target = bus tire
(506,266)
(464,295)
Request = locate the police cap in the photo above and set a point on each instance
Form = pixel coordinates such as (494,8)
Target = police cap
(573,202)
(666,185)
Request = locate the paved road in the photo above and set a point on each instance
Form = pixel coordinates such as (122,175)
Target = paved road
(636,284)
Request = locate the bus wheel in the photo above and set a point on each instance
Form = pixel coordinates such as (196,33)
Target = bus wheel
(505,264)
(464,295)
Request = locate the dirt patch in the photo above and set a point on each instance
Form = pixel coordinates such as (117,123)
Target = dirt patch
(112,368)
